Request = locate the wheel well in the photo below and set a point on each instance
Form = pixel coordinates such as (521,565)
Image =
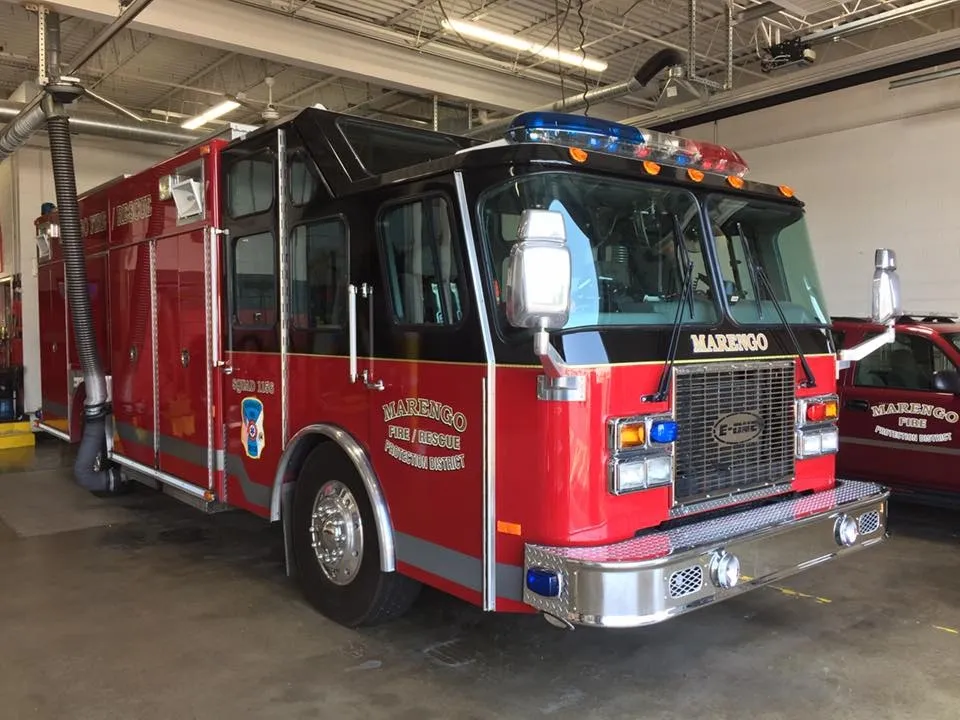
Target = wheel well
(301,445)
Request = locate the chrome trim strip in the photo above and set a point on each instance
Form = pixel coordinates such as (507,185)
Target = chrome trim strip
(626,584)
(284,268)
(208,238)
(352,328)
(53,431)
(163,477)
(215,235)
(361,462)
(154,351)
(489,407)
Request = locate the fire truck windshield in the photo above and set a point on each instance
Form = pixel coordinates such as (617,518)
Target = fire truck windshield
(621,235)
(751,233)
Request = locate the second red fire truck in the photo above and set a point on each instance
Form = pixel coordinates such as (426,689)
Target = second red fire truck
(584,369)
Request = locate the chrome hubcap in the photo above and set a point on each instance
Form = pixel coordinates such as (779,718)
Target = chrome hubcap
(336,532)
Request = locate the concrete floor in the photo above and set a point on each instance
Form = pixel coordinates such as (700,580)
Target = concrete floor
(140,607)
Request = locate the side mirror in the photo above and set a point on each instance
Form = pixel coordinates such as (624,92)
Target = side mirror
(885,310)
(537,288)
(947,381)
(886,287)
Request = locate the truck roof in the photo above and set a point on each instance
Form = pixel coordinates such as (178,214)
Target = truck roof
(358,154)
(936,322)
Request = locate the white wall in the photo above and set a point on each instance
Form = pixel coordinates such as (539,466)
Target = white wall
(96,160)
(876,168)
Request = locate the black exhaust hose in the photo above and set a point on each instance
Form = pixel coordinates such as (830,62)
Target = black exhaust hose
(658,61)
(93,444)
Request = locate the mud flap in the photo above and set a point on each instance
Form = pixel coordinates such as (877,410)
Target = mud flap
(286,517)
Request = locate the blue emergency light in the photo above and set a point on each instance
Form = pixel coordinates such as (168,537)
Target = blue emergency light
(543,582)
(597,135)
(663,431)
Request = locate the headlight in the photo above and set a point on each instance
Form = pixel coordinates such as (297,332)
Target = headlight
(817,441)
(640,473)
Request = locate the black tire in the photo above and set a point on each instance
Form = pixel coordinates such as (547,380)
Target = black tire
(371,597)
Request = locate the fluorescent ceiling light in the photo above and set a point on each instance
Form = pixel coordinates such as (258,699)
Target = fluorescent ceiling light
(514,43)
(211,114)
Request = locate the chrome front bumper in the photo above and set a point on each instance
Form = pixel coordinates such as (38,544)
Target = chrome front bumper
(656,576)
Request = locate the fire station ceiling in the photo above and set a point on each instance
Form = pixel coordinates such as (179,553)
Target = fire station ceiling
(479,58)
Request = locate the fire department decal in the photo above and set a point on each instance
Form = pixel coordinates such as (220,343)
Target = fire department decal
(429,449)
(729,342)
(914,416)
(252,410)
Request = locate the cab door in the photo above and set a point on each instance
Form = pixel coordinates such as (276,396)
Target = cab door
(250,373)
(425,373)
(894,427)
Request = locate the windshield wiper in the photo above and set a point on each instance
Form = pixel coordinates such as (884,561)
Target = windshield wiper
(758,272)
(661,393)
(751,268)
(684,257)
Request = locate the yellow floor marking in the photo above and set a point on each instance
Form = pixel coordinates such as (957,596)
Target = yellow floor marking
(946,629)
(793,593)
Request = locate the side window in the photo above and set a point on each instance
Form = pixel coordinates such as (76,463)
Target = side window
(422,262)
(255,281)
(318,272)
(303,181)
(908,363)
(250,185)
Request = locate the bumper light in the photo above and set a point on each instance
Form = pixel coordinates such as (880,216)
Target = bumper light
(846,531)
(725,570)
(641,473)
(545,583)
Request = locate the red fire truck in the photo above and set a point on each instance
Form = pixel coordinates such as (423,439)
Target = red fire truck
(583,369)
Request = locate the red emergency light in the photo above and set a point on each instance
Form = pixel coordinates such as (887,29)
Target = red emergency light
(613,138)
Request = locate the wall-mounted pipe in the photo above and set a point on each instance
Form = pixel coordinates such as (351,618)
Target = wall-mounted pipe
(658,62)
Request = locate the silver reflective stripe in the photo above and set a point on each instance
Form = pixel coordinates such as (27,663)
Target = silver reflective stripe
(256,494)
(456,566)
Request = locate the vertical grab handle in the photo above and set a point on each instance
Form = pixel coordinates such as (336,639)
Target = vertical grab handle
(352,321)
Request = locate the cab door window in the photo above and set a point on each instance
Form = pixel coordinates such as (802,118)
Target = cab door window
(423,265)
(908,363)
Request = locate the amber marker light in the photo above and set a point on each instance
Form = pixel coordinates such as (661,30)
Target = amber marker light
(695,175)
(578,155)
(651,167)
(632,435)
(786,191)
(735,182)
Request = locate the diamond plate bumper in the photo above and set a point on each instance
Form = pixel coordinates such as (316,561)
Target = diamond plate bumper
(656,576)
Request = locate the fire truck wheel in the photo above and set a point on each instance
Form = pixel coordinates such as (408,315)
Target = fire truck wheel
(336,547)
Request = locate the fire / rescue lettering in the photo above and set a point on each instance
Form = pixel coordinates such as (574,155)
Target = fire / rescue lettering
(93,224)
(422,407)
(905,408)
(729,342)
(422,438)
(129,212)
(913,437)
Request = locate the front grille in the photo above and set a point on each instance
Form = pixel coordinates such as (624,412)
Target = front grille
(736,427)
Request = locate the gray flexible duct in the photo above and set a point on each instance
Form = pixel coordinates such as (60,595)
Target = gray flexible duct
(19,130)
(96,406)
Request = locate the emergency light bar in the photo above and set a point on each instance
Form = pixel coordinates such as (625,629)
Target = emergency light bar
(594,134)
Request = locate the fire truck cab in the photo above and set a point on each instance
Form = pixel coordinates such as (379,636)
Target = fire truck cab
(583,369)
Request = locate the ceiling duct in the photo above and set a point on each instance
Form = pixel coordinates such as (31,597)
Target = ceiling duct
(93,125)
(666,58)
